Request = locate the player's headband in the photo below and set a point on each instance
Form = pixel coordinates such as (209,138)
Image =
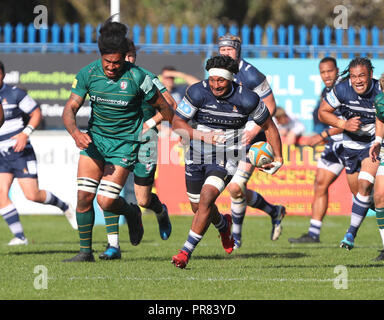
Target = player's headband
(221,73)
(229,43)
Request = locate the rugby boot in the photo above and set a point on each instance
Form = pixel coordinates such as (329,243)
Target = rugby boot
(180,260)
(111,253)
(135,226)
(226,237)
(305,238)
(81,257)
(348,242)
(165,226)
(277,228)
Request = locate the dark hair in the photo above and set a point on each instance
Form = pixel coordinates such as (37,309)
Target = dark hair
(168,68)
(359,61)
(222,62)
(2,67)
(113,38)
(131,46)
(328,59)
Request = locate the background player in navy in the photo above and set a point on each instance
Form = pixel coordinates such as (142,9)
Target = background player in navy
(355,94)
(218,108)
(1,113)
(250,77)
(331,163)
(18,160)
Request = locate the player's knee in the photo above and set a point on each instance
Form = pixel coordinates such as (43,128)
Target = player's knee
(33,196)
(84,201)
(320,187)
(235,190)
(378,198)
(143,201)
(194,207)
(366,182)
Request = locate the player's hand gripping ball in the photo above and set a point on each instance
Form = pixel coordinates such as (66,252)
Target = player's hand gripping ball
(260,154)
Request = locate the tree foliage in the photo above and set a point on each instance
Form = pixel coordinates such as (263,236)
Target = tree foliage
(199,12)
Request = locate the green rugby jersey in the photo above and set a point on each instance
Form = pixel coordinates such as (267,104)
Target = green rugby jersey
(379,105)
(148,110)
(115,105)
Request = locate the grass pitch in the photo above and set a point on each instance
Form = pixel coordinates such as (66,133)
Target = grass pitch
(260,270)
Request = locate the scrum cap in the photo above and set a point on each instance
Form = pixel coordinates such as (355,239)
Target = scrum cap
(229,40)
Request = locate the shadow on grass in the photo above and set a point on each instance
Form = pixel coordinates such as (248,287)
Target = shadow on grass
(356,266)
(20,253)
(289,255)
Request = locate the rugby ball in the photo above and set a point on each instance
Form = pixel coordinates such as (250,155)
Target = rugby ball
(260,153)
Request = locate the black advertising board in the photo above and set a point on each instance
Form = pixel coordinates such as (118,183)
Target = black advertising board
(48,77)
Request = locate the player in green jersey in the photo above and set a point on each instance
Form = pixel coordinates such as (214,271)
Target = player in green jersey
(109,149)
(377,154)
(144,171)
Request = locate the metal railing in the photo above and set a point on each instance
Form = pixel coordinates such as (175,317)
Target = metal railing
(280,42)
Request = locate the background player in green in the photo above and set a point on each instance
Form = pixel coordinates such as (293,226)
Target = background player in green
(109,150)
(144,171)
(377,152)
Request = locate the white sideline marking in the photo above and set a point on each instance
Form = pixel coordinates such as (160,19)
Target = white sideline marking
(224,279)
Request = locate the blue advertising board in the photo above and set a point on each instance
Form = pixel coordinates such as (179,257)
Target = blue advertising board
(297,85)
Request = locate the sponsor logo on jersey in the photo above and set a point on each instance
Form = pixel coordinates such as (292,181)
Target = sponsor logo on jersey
(354,102)
(74,83)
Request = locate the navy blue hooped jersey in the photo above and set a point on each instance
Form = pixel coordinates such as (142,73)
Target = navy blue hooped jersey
(16,102)
(250,77)
(229,113)
(351,105)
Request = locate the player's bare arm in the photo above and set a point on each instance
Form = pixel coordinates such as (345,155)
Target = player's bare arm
(273,138)
(327,116)
(158,117)
(270,102)
(182,128)
(320,137)
(374,151)
(159,102)
(71,108)
(22,137)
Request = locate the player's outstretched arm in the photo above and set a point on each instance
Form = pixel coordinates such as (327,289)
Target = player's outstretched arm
(327,116)
(158,117)
(21,138)
(273,138)
(71,108)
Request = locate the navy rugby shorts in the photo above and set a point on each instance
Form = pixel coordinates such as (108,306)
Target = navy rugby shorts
(21,164)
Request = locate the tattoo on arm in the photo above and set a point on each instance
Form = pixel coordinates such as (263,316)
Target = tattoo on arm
(70,110)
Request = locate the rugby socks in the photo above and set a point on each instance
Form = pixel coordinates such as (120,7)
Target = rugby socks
(85,222)
(155,204)
(112,228)
(222,225)
(11,217)
(238,208)
(51,199)
(258,202)
(360,208)
(380,222)
(191,243)
(314,228)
